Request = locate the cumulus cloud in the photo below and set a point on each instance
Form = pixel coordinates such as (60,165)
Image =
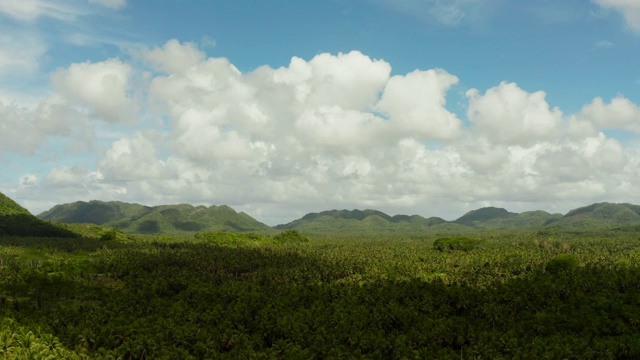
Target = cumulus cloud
(102,87)
(25,130)
(174,57)
(620,114)
(131,159)
(333,131)
(630,10)
(416,103)
(509,115)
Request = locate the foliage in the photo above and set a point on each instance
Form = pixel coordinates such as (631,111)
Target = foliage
(113,235)
(229,238)
(456,243)
(29,225)
(562,262)
(9,207)
(290,236)
(165,219)
(229,296)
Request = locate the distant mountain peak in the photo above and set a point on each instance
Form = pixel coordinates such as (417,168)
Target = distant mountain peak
(136,218)
(483,214)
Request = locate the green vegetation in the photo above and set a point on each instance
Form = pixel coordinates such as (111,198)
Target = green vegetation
(456,243)
(16,220)
(166,219)
(84,291)
(243,295)
(290,236)
(8,207)
(562,262)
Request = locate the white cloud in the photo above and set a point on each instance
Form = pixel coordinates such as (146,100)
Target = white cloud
(446,12)
(24,130)
(333,131)
(333,126)
(74,176)
(620,113)
(131,159)
(29,10)
(509,115)
(604,44)
(416,104)
(20,53)
(630,10)
(113,4)
(102,87)
(174,57)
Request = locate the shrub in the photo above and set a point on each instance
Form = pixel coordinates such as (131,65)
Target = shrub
(290,236)
(112,234)
(456,243)
(228,238)
(562,262)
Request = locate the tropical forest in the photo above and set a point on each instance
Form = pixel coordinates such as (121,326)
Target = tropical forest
(115,280)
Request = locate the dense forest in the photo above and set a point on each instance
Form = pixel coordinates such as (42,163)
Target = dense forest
(83,291)
(224,295)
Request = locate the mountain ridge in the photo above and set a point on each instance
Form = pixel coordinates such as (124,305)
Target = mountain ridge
(137,218)
(185,218)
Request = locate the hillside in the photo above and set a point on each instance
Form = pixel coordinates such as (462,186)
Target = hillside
(168,219)
(367,222)
(16,220)
(597,216)
(10,207)
(603,215)
(492,218)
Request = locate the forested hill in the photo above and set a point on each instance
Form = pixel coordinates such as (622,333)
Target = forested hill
(599,215)
(184,218)
(595,216)
(136,218)
(16,220)
(366,222)
(10,207)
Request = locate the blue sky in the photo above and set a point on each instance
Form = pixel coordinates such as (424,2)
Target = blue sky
(280,108)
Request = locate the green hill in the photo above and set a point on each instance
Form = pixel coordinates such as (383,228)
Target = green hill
(10,207)
(477,217)
(18,221)
(167,219)
(599,215)
(366,222)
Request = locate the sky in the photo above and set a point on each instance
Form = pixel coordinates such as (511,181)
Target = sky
(280,108)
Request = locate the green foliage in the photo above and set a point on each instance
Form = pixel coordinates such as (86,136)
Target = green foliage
(290,236)
(456,243)
(231,296)
(473,217)
(29,225)
(561,263)
(165,219)
(228,238)
(9,207)
(113,235)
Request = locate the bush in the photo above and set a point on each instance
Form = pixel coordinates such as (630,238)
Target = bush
(562,262)
(456,243)
(290,236)
(228,238)
(113,234)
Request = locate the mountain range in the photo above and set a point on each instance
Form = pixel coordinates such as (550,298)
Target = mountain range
(136,218)
(184,219)
(166,219)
